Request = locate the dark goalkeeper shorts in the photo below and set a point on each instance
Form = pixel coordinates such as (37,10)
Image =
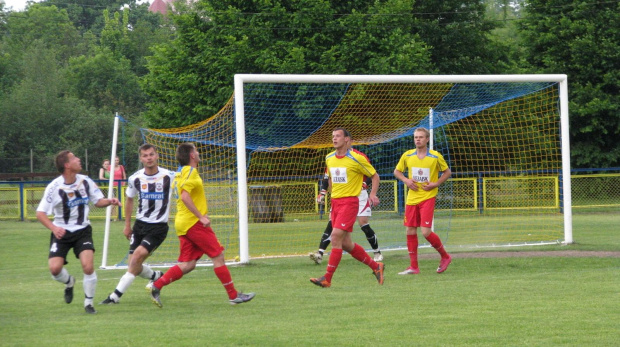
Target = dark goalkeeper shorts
(80,240)
(147,235)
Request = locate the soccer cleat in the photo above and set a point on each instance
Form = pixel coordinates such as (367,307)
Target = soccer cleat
(316,257)
(443,264)
(90,309)
(321,282)
(149,286)
(69,290)
(378,272)
(108,301)
(378,256)
(410,271)
(155,297)
(241,298)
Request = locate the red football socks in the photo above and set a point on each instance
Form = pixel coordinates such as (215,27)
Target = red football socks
(412,247)
(332,265)
(223,274)
(434,240)
(360,254)
(173,274)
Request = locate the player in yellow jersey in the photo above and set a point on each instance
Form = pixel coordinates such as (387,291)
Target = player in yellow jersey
(424,166)
(193,228)
(346,170)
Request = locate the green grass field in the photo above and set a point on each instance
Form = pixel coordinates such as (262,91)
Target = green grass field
(535,301)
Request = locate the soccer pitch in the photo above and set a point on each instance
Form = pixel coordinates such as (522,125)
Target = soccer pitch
(535,300)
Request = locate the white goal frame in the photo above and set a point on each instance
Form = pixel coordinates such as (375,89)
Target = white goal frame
(241,79)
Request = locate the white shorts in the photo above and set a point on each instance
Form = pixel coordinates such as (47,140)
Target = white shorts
(364,208)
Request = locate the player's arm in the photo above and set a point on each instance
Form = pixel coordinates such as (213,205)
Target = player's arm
(374,200)
(107,202)
(189,203)
(56,230)
(444,177)
(323,189)
(411,184)
(128,211)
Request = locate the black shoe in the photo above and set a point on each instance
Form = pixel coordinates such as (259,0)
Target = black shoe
(69,290)
(155,297)
(90,309)
(108,301)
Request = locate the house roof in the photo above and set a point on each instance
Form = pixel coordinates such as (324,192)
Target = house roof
(160,6)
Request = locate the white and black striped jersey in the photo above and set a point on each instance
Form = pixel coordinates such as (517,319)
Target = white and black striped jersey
(153,194)
(69,202)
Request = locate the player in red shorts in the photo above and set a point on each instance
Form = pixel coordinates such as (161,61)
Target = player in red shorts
(193,228)
(346,170)
(424,165)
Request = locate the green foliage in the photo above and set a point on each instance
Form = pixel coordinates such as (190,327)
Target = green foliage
(106,82)
(46,24)
(191,77)
(458,32)
(580,39)
(86,14)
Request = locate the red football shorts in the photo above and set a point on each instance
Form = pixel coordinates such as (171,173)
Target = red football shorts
(344,212)
(199,240)
(420,215)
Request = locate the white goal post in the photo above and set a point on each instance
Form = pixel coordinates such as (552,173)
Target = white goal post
(239,106)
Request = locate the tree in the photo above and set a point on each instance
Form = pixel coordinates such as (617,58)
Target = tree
(39,114)
(458,33)
(191,77)
(581,39)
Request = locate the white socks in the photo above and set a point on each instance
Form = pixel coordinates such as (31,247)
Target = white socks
(63,277)
(90,284)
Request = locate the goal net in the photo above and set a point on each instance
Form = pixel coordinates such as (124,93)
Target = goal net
(505,139)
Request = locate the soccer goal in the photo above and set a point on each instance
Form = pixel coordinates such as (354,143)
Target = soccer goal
(505,138)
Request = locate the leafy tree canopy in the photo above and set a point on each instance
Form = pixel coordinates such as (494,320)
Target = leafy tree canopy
(582,40)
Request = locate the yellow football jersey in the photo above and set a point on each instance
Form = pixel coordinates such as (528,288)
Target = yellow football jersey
(189,180)
(422,171)
(347,173)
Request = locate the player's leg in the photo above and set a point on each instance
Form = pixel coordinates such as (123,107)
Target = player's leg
(56,260)
(358,253)
(84,249)
(411,223)
(325,241)
(363,219)
(135,268)
(153,235)
(223,274)
(175,273)
(427,209)
(371,236)
(90,279)
(207,241)
(189,254)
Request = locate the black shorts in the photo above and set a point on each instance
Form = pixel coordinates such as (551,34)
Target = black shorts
(147,235)
(80,240)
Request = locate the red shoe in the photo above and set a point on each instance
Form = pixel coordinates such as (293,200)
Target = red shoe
(321,282)
(443,264)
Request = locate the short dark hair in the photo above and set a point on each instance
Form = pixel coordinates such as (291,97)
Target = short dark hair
(183,153)
(344,131)
(146,147)
(61,159)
